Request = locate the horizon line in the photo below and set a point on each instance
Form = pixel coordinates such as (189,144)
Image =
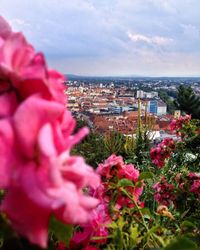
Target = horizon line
(132,76)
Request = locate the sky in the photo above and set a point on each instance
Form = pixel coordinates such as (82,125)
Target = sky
(112,37)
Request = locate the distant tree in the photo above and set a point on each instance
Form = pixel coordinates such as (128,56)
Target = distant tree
(165,96)
(188,102)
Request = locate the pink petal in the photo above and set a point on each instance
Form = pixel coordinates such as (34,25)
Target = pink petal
(26,217)
(6,152)
(8,104)
(36,112)
(5,29)
(14,54)
(56,86)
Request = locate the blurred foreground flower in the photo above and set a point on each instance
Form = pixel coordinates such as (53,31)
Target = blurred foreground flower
(39,175)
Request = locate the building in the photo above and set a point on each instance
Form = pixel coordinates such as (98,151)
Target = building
(162,108)
(140,94)
(157,107)
(152,106)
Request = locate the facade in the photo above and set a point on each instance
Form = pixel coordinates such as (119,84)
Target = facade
(152,106)
(140,94)
(162,108)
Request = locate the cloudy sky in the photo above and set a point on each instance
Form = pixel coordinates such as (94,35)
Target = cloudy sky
(112,37)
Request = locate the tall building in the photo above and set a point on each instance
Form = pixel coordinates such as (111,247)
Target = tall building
(152,107)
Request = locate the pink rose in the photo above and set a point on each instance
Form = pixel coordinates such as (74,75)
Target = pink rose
(36,135)
(129,172)
(111,164)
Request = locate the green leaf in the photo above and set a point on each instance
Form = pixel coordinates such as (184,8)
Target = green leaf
(181,243)
(121,223)
(129,161)
(187,223)
(139,184)
(134,233)
(125,183)
(145,175)
(146,212)
(112,225)
(111,205)
(62,231)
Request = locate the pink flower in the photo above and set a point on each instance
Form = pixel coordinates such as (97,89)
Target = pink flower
(162,151)
(101,193)
(164,192)
(195,188)
(23,71)
(5,29)
(129,172)
(7,157)
(111,164)
(36,135)
(195,183)
(95,228)
(51,180)
(61,246)
(115,169)
(177,124)
(173,125)
(27,218)
(192,175)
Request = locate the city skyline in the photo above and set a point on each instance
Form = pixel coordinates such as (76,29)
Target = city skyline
(112,38)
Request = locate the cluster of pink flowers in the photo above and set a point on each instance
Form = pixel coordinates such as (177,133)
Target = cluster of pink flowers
(177,124)
(195,183)
(162,151)
(111,171)
(39,175)
(164,192)
(189,183)
(96,227)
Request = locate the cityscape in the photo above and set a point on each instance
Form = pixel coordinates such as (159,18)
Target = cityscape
(111,103)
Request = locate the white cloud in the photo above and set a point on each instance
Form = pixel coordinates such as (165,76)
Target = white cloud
(155,40)
(191,31)
(90,36)
(17,23)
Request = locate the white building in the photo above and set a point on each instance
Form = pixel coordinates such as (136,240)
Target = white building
(161,108)
(140,94)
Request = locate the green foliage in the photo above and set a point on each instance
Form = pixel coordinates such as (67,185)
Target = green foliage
(125,183)
(146,175)
(137,148)
(113,142)
(182,243)
(92,149)
(188,102)
(165,96)
(60,231)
